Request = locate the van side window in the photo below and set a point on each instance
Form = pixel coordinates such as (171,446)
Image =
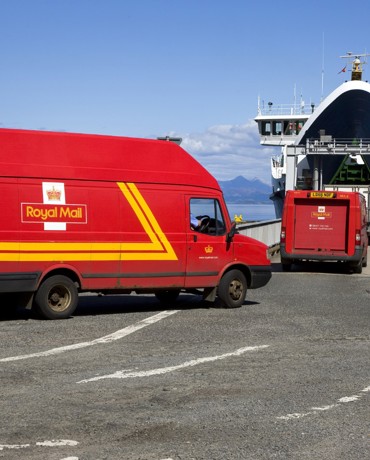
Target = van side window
(206,216)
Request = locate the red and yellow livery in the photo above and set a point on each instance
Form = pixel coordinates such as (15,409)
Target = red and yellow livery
(113,214)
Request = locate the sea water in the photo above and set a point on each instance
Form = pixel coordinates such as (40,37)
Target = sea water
(252,212)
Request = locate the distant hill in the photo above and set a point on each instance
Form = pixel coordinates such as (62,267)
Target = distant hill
(242,190)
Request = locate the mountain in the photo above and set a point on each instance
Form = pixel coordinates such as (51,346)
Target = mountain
(242,190)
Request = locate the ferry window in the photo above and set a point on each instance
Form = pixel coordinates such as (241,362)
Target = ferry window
(277,128)
(266,127)
(290,128)
(300,125)
(206,216)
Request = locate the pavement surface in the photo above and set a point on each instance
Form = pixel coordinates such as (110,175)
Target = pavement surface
(286,376)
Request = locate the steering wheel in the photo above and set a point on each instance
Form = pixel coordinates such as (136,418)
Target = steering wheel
(204,222)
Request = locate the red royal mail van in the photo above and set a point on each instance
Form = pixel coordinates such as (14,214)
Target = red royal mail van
(324,226)
(113,215)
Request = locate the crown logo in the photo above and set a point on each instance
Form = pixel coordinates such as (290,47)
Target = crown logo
(53,195)
(208,249)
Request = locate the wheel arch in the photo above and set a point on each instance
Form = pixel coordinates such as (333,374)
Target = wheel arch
(243,268)
(64,270)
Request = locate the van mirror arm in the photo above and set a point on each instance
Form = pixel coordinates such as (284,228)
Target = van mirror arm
(231,233)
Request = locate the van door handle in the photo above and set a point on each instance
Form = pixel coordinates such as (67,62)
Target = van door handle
(195,237)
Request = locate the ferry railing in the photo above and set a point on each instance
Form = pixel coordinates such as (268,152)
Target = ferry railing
(329,145)
(267,231)
(285,109)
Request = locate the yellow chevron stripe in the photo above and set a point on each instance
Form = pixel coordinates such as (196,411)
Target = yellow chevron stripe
(159,248)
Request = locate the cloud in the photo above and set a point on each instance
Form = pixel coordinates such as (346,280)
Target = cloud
(228,151)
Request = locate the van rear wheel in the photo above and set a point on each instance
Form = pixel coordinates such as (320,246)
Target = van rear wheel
(232,289)
(56,298)
(364,261)
(358,268)
(286,264)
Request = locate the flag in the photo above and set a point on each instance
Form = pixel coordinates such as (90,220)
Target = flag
(343,70)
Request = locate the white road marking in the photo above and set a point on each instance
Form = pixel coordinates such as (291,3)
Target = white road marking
(314,410)
(324,408)
(57,443)
(127,374)
(106,339)
(349,399)
(52,443)
(14,446)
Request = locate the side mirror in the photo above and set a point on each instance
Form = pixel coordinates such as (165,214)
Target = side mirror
(231,233)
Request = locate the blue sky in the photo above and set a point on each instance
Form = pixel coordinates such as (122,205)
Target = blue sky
(189,68)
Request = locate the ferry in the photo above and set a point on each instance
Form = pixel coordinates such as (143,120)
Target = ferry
(323,147)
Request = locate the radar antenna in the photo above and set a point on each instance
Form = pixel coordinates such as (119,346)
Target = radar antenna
(357,64)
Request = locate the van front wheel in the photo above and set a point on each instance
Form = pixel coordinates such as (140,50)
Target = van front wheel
(232,289)
(56,298)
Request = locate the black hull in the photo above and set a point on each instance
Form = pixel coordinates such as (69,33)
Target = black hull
(278,200)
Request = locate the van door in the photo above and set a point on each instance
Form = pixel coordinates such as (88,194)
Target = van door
(207,250)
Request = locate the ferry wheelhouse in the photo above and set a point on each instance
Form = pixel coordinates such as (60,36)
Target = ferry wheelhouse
(281,125)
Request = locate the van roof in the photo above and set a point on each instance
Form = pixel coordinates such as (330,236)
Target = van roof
(60,156)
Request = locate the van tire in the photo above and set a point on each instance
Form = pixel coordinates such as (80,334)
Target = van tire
(286,264)
(358,268)
(232,289)
(166,297)
(56,298)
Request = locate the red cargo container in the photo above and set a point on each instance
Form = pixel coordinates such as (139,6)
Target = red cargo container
(324,226)
(113,214)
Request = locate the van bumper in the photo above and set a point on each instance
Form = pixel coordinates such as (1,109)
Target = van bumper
(260,276)
(355,258)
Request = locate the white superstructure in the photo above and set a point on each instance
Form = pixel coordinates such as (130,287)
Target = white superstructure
(342,120)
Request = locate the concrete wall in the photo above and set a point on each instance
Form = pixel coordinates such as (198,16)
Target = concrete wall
(266,231)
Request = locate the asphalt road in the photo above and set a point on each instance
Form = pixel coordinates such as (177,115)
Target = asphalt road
(284,377)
